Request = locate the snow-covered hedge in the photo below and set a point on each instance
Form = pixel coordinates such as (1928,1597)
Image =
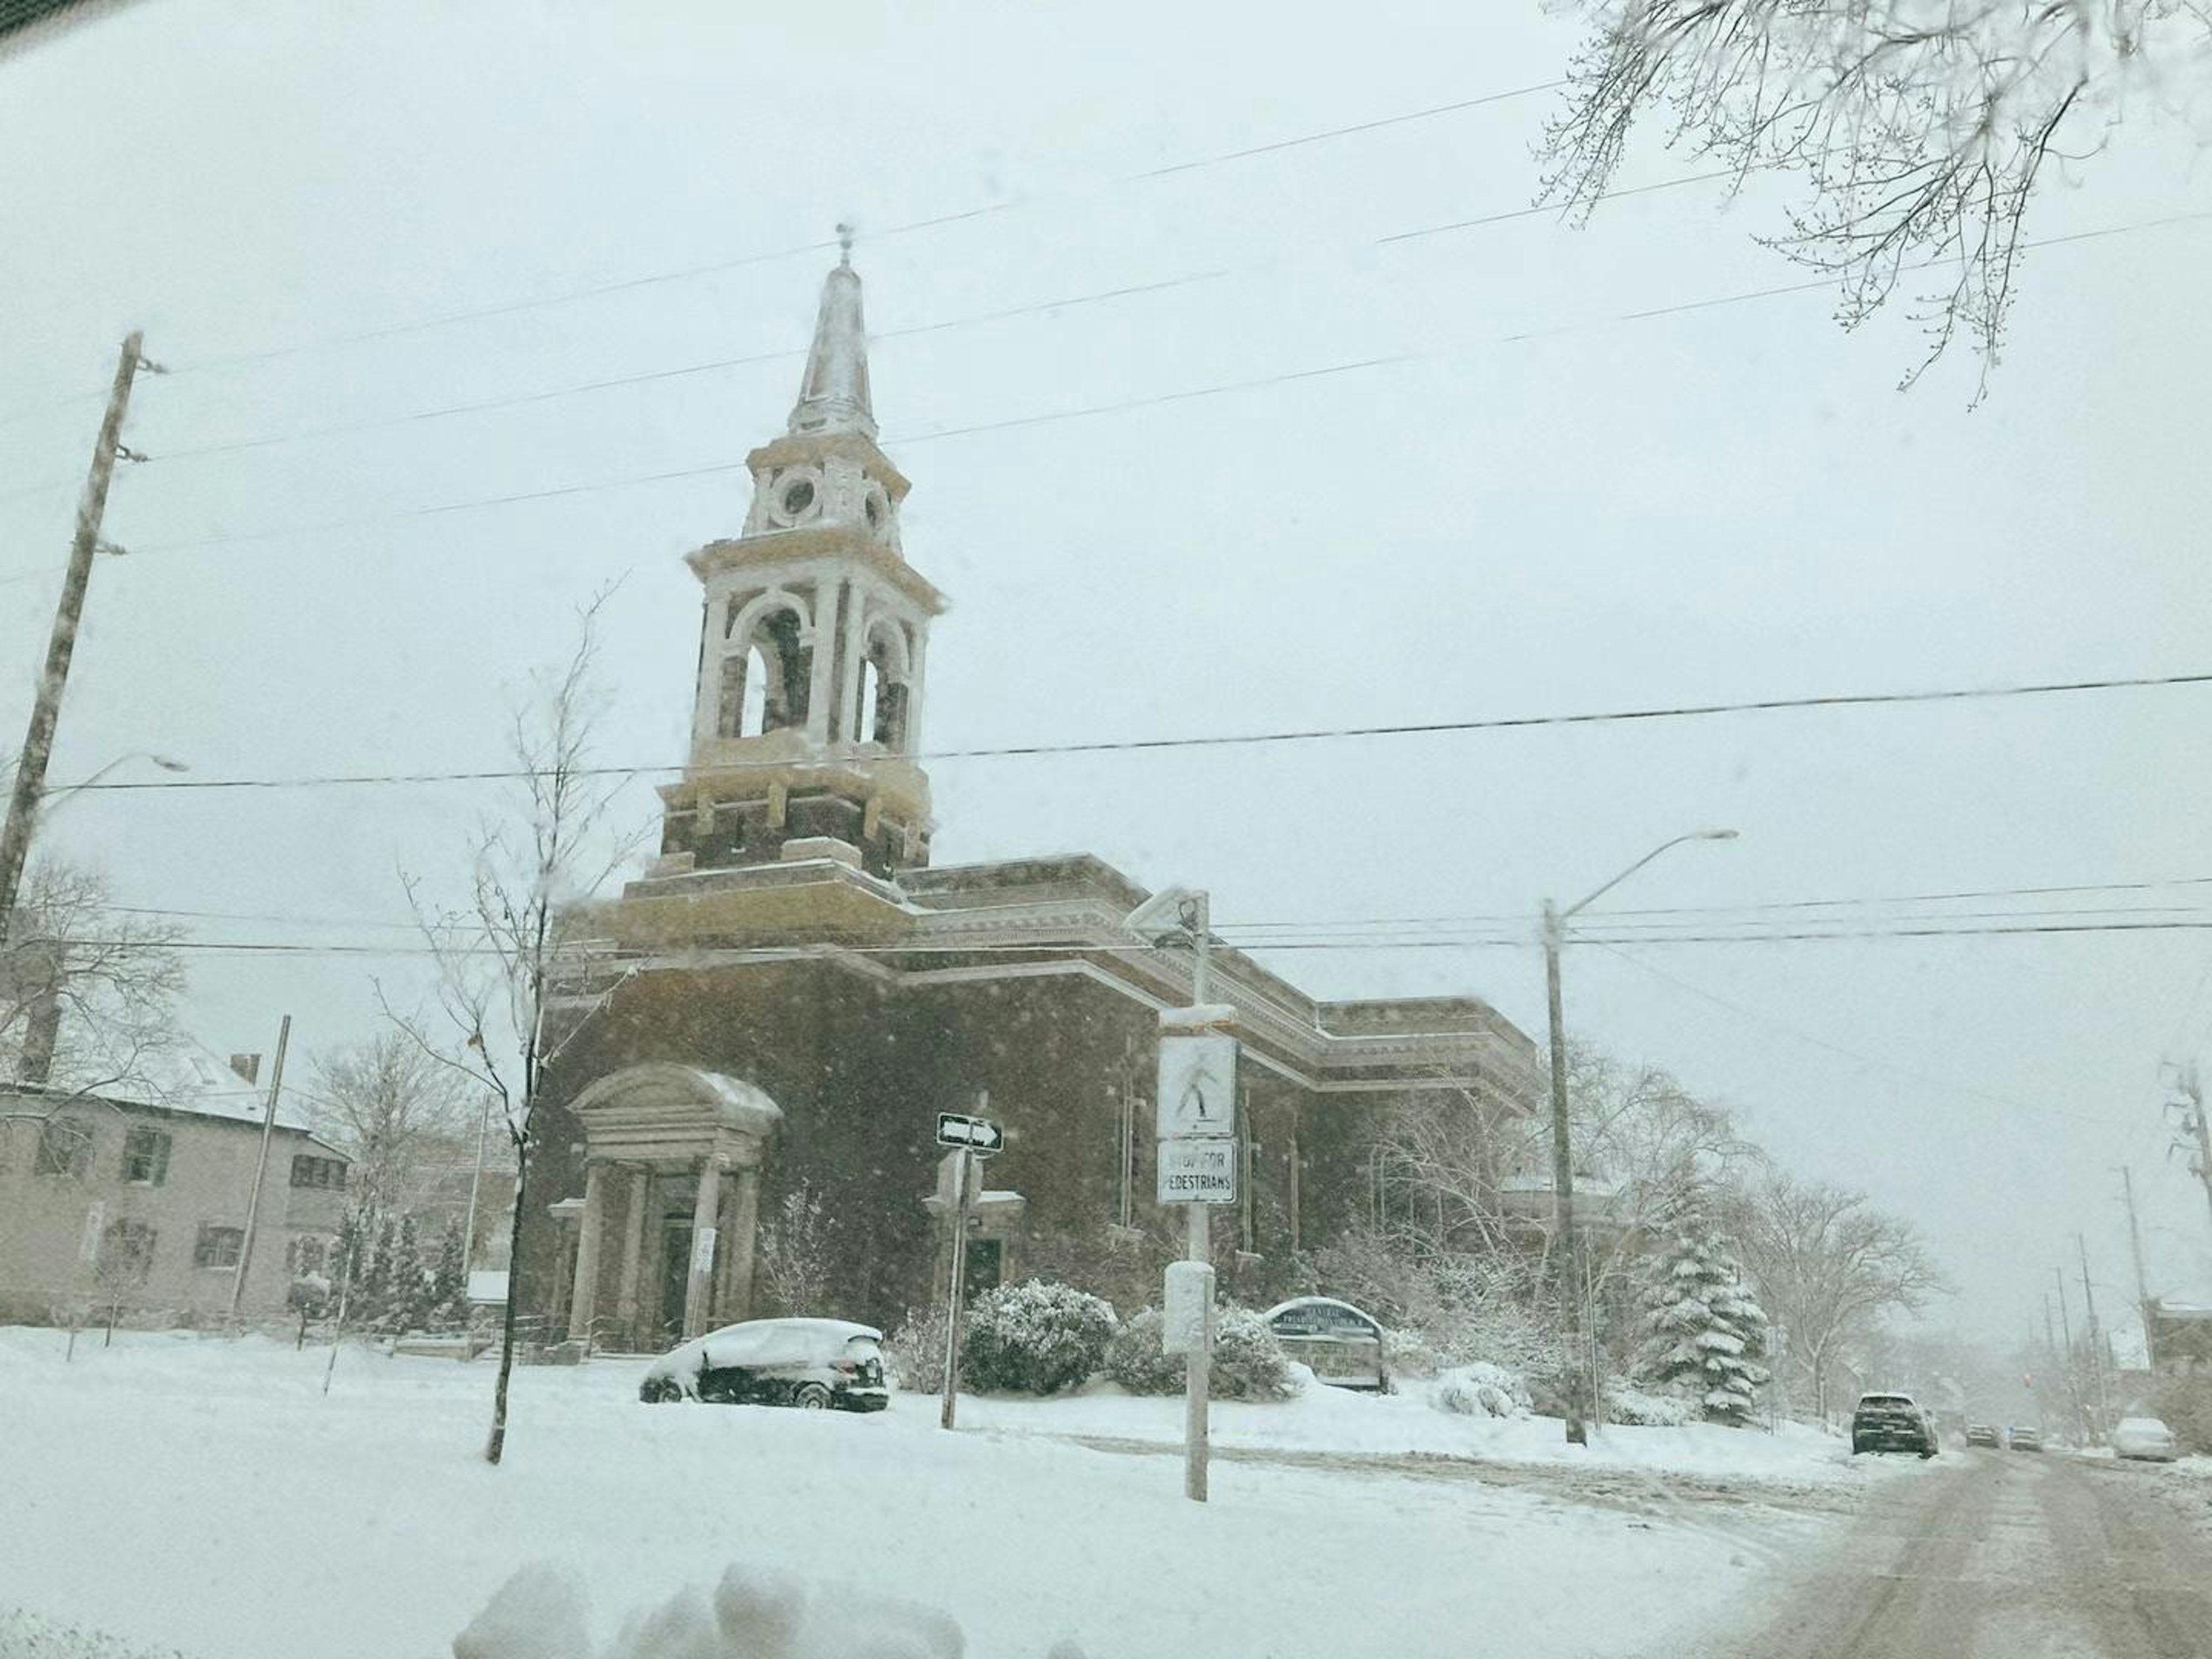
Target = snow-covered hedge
(1035,1338)
(1634,1408)
(1481,1390)
(1410,1353)
(1248,1363)
(916,1350)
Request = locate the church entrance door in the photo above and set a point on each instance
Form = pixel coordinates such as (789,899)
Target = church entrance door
(675,1273)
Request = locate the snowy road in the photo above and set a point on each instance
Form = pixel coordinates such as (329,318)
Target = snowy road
(1995,1555)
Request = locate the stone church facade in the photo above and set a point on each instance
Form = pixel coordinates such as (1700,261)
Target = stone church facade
(773,1015)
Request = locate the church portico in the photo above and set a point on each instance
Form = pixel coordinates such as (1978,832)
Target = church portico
(655,1135)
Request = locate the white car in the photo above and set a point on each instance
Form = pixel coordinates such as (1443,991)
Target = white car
(2145,1437)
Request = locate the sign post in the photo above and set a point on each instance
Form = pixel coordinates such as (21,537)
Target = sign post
(972,1139)
(1195,1125)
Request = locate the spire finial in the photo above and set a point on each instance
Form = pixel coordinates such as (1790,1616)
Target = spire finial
(845,245)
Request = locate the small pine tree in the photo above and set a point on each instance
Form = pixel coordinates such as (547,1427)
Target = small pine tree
(410,1288)
(449,1279)
(1705,1332)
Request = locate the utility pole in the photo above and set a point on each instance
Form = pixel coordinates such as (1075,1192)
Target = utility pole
(45,711)
(2192,1118)
(2050,1350)
(2143,1284)
(1564,1239)
(475,1187)
(2096,1344)
(260,1169)
(2073,1381)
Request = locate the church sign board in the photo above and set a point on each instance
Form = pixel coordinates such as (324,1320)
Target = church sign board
(1342,1344)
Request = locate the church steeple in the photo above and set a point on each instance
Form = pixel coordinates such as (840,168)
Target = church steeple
(834,395)
(809,698)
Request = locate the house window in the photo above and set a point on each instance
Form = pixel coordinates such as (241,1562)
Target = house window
(310,1171)
(126,1252)
(218,1247)
(146,1156)
(64,1147)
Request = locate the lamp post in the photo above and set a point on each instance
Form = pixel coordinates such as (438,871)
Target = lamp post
(1567,1239)
(50,800)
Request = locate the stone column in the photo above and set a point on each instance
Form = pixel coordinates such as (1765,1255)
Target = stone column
(634,1224)
(821,690)
(704,1214)
(917,652)
(848,693)
(735,1296)
(584,1303)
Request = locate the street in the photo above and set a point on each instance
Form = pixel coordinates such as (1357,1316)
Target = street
(2007,1555)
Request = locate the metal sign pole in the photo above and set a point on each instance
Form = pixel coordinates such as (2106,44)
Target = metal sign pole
(964,1176)
(1198,1367)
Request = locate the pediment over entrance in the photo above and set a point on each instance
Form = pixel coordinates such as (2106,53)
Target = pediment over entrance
(662,1113)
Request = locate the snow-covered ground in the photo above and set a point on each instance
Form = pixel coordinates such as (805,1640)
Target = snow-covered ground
(205,1495)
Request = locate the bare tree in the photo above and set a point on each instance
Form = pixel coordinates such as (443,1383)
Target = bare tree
(1919,129)
(1830,1268)
(87,994)
(499,959)
(399,1115)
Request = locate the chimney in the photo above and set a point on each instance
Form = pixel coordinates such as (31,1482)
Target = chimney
(247,1066)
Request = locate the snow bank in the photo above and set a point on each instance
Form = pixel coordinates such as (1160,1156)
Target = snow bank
(1325,1419)
(204,1495)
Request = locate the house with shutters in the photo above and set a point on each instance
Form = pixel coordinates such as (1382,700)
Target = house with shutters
(135,1196)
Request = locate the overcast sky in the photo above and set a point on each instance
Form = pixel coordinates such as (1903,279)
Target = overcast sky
(1535,507)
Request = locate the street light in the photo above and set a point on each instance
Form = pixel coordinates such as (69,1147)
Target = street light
(1563,1171)
(167,763)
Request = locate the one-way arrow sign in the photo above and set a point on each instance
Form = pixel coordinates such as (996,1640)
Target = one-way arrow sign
(978,1134)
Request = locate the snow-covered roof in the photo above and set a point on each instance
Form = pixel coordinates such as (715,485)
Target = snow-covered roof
(188,1077)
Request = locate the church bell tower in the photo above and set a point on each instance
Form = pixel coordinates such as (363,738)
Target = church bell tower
(808,707)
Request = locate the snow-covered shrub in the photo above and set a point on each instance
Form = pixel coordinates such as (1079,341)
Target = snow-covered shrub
(1408,1353)
(1632,1408)
(1248,1363)
(1035,1338)
(1134,1359)
(916,1350)
(1481,1390)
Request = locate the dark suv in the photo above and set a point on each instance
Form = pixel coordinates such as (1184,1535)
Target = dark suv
(1892,1422)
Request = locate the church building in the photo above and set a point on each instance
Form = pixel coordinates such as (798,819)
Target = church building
(740,1121)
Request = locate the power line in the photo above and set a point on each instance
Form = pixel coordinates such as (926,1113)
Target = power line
(907,227)
(1035,308)
(1064,946)
(1054,416)
(1308,734)
(1226,928)
(1949,1085)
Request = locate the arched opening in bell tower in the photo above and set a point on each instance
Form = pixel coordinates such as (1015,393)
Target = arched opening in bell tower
(766,675)
(881,716)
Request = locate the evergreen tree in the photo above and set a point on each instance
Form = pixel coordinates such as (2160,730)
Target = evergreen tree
(1705,1332)
(449,1280)
(373,1291)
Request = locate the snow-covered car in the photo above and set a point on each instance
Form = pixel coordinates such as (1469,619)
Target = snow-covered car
(1892,1422)
(815,1364)
(2145,1437)
(2022,1440)
(1981,1434)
